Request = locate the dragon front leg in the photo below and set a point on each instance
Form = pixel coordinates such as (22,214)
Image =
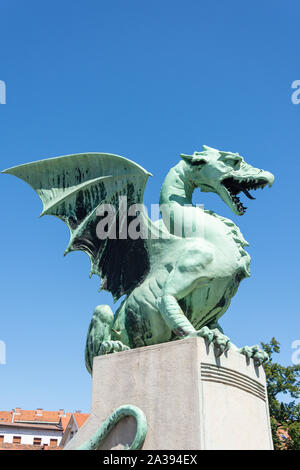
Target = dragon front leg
(186,275)
(180,325)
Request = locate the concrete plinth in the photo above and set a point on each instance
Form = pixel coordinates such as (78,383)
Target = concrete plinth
(192,399)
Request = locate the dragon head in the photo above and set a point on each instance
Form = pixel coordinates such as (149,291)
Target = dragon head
(226,174)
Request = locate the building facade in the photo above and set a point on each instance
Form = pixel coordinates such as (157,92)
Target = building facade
(38,428)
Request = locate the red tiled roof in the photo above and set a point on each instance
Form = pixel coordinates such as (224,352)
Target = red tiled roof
(40,415)
(35,416)
(80,418)
(65,420)
(5,416)
(44,417)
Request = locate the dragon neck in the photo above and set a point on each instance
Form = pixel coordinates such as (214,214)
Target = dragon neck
(176,188)
(176,192)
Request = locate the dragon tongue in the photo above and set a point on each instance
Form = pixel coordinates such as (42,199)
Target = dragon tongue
(245,191)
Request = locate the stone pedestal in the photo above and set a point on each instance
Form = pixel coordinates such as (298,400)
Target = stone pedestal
(191,398)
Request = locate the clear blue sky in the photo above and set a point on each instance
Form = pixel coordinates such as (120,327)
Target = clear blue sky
(146,80)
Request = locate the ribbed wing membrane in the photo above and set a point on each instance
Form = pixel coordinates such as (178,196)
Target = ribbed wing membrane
(73,188)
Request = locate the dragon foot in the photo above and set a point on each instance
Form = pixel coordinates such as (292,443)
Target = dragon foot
(108,347)
(254,352)
(219,340)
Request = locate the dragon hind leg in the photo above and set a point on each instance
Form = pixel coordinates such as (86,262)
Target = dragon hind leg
(98,341)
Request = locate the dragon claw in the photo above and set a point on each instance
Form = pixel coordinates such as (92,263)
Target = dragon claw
(108,347)
(256,353)
(205,333)
(220,341)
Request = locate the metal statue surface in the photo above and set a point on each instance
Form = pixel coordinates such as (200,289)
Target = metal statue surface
(178,274)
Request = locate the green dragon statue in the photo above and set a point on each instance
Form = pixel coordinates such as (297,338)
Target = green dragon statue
(179,273)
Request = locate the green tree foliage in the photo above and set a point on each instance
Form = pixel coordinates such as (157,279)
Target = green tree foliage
(284,380)
(294,432)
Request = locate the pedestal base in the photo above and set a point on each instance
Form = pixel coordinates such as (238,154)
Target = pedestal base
(191,399)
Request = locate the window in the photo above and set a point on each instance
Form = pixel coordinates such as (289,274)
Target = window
(16,439)
(2,438)
(37,441)
(53,442)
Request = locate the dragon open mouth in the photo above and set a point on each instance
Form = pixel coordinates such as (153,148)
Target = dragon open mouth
(235,186)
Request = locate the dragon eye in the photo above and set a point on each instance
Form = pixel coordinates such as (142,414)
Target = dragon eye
(235,162)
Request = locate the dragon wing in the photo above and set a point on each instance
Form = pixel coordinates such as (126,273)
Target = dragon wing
(73,188)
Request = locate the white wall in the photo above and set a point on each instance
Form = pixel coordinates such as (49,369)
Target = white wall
(27,435)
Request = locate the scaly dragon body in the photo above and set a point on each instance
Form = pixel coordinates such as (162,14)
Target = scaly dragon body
(202,296)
